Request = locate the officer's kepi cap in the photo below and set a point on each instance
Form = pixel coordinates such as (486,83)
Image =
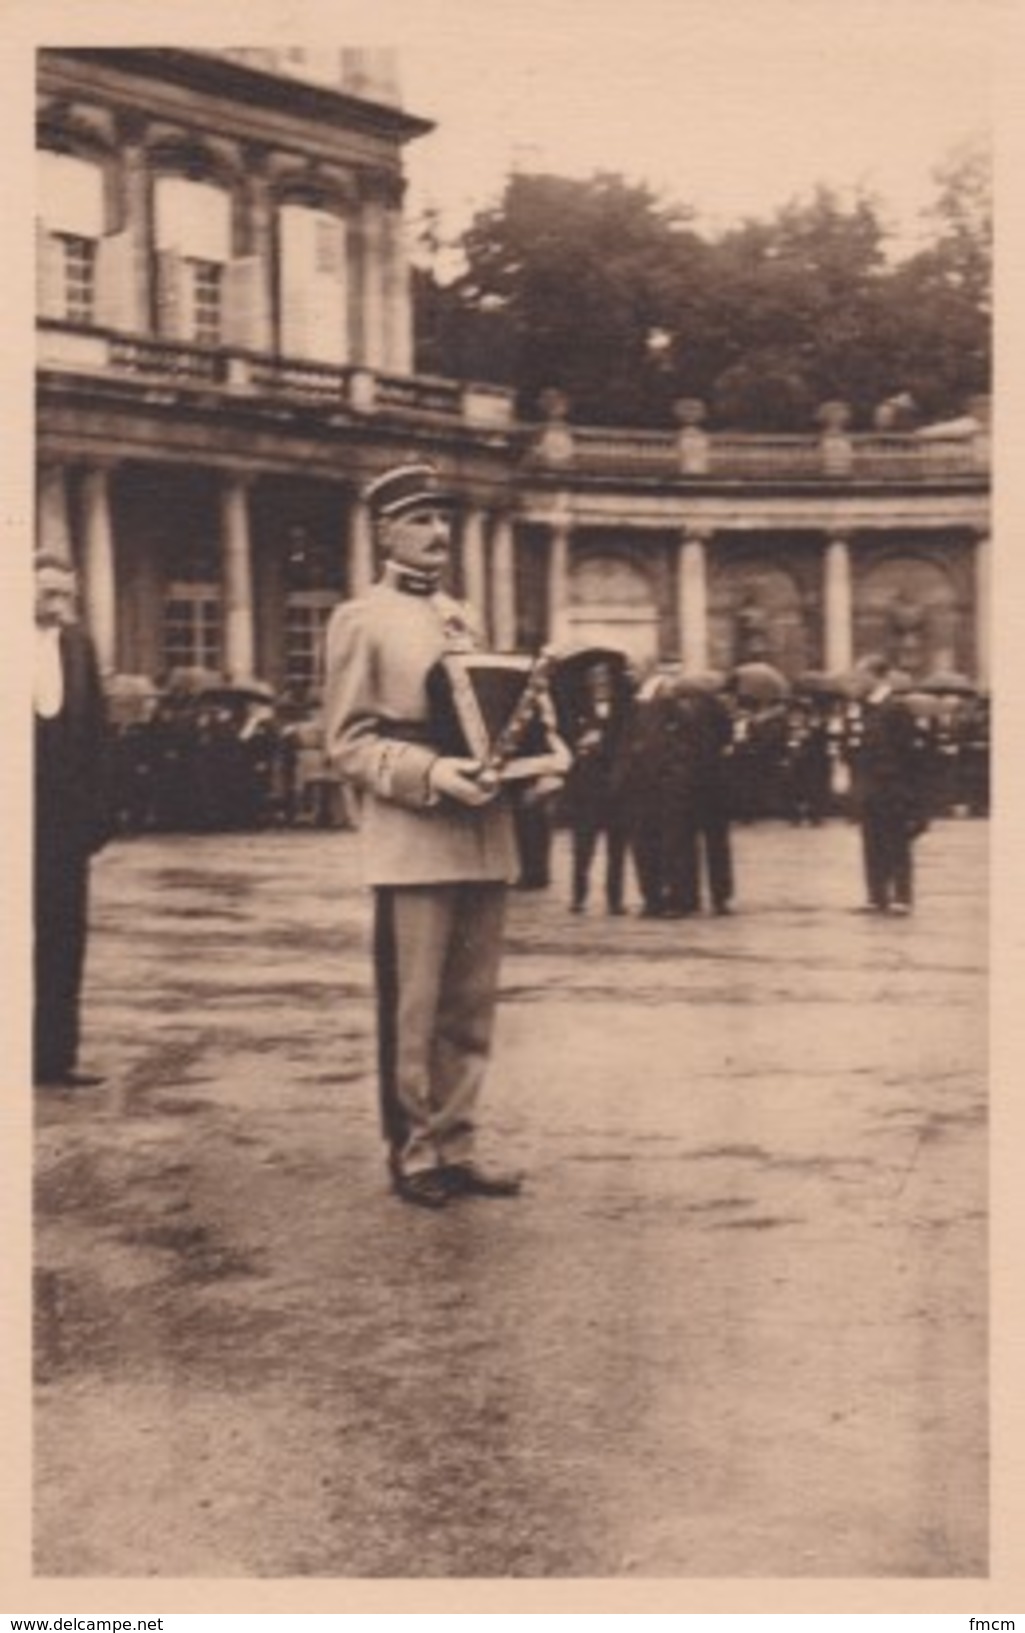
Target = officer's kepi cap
(407,487)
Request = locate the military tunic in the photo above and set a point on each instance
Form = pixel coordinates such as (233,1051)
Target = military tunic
(439,869)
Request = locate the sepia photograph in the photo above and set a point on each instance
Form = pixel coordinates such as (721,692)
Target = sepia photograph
(509,979)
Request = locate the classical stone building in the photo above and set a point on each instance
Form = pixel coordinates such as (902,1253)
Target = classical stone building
(225,358)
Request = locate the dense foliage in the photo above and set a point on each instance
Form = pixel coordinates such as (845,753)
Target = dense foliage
(603,291)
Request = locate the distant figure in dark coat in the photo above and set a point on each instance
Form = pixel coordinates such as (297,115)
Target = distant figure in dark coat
(640,781)
(706,728)
(806,764)
(890,794)
(72,818)
(593,797)
(674,786)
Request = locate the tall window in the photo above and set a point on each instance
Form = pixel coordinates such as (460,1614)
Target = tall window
(205,290)
(192,235)
(314,287)
(192,627)
(70,207)
(306,617)
(313,579)
(79,277)
(192,608)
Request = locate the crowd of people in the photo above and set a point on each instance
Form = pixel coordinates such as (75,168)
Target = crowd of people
(663,769)
(217,757)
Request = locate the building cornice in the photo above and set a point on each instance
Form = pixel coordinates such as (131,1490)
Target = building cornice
(225,77)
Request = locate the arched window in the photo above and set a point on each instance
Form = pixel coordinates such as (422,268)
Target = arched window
(192,240)
(70,193)
(313,283)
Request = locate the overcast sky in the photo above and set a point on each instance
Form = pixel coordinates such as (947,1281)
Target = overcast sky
(734,106)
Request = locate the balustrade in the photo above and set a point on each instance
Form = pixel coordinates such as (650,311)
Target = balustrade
(594,450)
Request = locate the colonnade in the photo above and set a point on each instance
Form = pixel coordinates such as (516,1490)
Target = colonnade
(488,553)
(486,541)
(691,577)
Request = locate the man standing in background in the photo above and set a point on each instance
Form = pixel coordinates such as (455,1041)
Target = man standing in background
(890,793)
(71,818)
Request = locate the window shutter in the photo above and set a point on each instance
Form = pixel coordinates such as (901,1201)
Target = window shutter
(172,317)
(296,280)
(50,287)
(244,305)
(329,296)
(115,281)
(372,269)
(399,315)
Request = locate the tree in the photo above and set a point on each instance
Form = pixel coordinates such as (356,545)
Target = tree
(600,289)
(941,298)
(567,284)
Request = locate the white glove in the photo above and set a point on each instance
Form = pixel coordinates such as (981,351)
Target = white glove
(458,779)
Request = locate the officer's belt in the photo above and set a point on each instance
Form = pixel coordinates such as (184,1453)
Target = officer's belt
(406,731)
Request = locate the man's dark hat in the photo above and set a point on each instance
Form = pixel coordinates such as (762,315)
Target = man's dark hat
(407,487)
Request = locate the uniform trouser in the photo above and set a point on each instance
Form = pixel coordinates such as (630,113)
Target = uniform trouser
(886,847)
(586,833)
(437,955)
(60,910)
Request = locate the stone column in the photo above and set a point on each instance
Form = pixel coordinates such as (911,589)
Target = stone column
(692,603)
(237,579)
(373,287)
(475,584)
(135,217)
(982,610)
(503,583)
(360,557)
(99,582)
(558,575)
(53,529)
(839,607)
(260,244)
(398,315)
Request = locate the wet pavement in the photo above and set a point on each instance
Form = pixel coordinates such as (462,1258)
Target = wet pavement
(734,1326)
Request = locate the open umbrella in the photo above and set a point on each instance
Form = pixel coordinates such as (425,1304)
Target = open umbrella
(949,682)
(819,683)
(570,680)
(865,676)
(191,679)
(247,687)
(703,680)
(760,683)
(923,705)
(130,699)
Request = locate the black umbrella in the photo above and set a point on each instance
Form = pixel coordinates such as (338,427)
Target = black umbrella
(949,682)
(760,683)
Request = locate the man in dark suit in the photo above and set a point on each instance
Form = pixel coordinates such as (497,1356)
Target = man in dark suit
(703,833)
(71,817)
(593,799)
(890,793)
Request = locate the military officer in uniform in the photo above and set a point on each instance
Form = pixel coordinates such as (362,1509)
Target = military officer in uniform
(439,847)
